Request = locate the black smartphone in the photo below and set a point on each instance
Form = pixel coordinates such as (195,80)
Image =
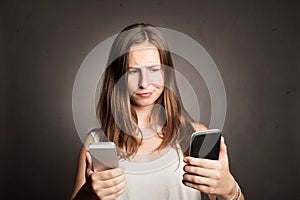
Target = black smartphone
(206,144)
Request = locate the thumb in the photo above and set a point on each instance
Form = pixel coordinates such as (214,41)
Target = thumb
(223,150)
(89,165)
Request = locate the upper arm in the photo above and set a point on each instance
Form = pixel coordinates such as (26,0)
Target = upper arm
(81,166)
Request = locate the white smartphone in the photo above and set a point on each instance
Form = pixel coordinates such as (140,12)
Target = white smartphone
(206,144)
(104,155)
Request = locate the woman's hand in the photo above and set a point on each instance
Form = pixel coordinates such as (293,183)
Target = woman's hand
(210,176)
(108,184)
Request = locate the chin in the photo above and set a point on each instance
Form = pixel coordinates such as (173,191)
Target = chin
(144,102)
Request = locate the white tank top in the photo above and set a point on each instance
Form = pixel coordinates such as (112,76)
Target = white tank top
(159,179)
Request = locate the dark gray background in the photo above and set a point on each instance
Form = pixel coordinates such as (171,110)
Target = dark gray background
(255,44)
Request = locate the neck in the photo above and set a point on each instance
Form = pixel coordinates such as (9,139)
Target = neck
(143,115)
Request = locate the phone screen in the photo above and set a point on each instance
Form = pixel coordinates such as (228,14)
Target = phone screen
(206,144)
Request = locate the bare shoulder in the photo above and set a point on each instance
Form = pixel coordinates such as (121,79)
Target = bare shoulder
(81,166)
(199,126)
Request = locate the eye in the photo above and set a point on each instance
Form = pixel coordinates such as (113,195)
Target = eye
(132,71)
(155,68)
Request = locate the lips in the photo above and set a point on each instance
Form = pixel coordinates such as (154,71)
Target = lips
(144,94)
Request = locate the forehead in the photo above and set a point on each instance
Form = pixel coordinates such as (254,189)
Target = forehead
(143,54)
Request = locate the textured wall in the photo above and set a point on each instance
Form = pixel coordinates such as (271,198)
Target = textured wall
(254,44)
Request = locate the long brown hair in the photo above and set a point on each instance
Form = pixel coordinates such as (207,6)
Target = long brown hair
(114,111)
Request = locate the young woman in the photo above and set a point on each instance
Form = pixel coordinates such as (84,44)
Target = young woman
(141,112)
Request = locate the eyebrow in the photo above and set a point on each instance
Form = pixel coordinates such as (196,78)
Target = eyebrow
(147,66)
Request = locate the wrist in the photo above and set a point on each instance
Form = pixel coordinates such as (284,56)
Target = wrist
(230,192)
(235,194)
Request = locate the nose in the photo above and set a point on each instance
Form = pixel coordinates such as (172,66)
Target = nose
(143,82)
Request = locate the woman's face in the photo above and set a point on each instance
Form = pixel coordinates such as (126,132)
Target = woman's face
(145,75)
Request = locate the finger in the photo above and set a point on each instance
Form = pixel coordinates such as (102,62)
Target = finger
(114,181)
(115,189)
(223,150)
(200,171)
(203,188)
(196,179)
(114,195)
(204,163)
(88,160)
(109,174)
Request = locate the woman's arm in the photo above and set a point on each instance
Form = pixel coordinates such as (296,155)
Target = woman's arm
(81,168)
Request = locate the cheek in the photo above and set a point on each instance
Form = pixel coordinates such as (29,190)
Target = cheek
(158,79)
(132,84)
